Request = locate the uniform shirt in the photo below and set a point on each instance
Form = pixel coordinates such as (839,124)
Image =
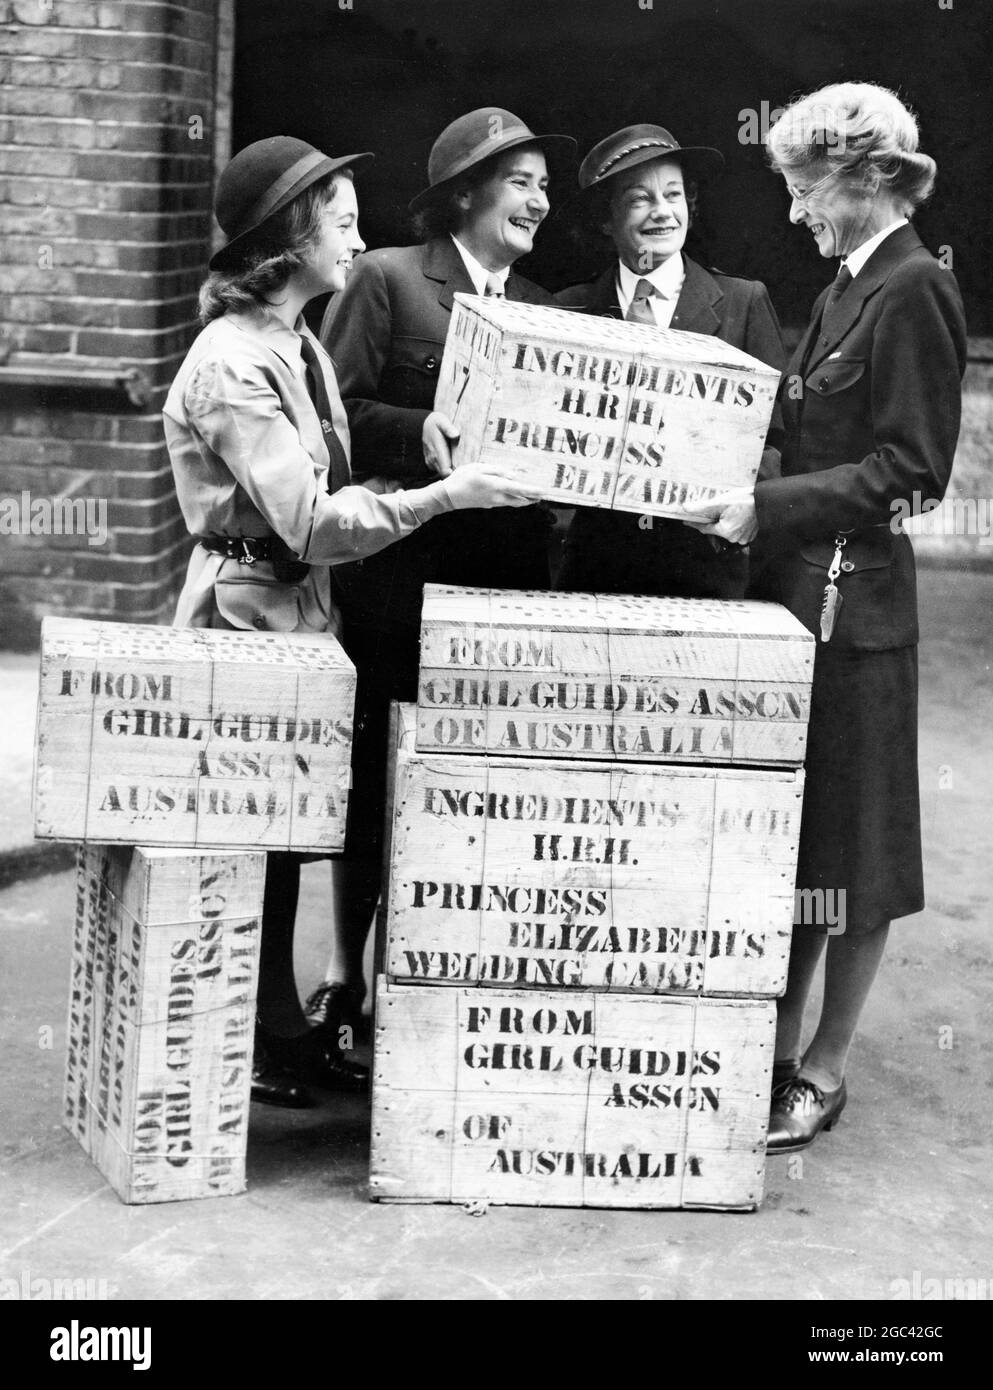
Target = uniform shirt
(856,259)
(668,281)
(478,273)
(249,459)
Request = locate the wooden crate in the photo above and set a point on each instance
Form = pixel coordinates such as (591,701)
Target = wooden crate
(544,675)
(600,412)
(166,736)
(161,1018)
(559,1099)
(513,873)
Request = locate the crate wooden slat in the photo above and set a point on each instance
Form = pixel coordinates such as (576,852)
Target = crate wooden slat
(153,735)
(161,1017)
(600,676)
(600,412)
(565,1099)
(513,873)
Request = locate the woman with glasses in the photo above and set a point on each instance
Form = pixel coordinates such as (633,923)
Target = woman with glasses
(871,405)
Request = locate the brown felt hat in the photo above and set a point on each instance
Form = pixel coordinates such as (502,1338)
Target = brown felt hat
(637,144)
(259,182)
(473,138)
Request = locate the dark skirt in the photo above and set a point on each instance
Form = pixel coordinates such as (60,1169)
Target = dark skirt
(861,827)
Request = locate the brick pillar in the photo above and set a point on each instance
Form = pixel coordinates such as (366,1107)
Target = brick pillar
(107,146)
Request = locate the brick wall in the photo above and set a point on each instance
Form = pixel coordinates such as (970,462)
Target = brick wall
(107,159)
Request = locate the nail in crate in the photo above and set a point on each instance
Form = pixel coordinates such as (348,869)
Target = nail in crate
(568,1099)
(156,735)
(508,872)
(161,1017)
(600,412)
(597,676)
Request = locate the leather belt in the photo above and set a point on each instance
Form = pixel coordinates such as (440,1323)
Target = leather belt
(247,550)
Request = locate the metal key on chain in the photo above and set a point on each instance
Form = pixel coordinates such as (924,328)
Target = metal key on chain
(832,597)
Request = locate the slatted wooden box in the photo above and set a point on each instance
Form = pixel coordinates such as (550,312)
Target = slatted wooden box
(565,1099)
(600,412)
(156,735)
(161,1018)
(598,676)
(508,872)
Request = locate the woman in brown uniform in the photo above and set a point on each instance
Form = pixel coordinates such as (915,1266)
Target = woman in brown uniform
(259,445)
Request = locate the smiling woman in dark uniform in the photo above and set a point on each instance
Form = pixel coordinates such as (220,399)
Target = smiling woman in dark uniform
(638,188)
(871,405)
(486,199)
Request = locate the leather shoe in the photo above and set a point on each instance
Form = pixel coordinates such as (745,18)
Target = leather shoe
(273,1085)
(800,1110)
(312,1058)
(782,1072)
(334,1006)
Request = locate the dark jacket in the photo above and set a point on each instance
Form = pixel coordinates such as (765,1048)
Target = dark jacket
(609,551)
(386,333)
(871,414)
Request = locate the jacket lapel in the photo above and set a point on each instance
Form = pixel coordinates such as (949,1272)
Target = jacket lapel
(695,311)
(444,265)
(873,275)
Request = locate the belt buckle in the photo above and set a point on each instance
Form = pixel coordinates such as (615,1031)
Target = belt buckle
(246,558)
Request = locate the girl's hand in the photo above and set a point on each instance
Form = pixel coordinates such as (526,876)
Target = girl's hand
(438,435)
(730,516)
(488,485)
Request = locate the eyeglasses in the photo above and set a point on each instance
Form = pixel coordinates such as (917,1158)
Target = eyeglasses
(804,198)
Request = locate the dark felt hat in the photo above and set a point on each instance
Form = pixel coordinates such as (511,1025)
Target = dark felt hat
(259,182)
(637,144)
(473,138)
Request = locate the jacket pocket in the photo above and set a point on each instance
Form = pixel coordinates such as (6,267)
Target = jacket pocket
(836,374)
(864,550)
(412,370)
(258,603)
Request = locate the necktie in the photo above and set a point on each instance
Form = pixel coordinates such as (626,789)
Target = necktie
(640,308)
(339,474)
(841,282)
(494,286)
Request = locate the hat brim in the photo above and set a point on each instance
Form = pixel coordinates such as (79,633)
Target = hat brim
(223,258)
(698,161)
(438,190)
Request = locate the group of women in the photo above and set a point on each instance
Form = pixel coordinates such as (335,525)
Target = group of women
(318,480)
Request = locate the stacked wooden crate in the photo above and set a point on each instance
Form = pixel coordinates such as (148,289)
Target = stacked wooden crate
(592,854)
(178,758)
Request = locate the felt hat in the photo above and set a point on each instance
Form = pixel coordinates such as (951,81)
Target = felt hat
(259,182)
(637,144)
(473,138)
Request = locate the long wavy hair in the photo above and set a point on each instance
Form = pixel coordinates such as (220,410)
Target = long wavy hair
(269,258)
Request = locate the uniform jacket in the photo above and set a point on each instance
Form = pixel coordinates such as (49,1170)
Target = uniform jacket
(386,333)
(871,415)
(248,454)
(609,550)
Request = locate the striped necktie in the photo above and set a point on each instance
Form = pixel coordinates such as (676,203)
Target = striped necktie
(339,474)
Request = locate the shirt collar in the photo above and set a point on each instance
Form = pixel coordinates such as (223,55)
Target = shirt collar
(478,274)
(856,259)
(284,341)
(667,278)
